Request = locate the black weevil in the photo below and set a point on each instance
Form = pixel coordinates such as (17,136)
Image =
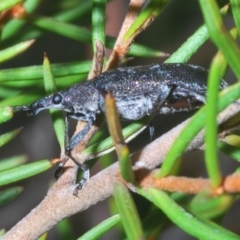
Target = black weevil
(138,91)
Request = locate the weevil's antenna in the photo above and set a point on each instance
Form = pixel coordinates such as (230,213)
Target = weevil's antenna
(22,108)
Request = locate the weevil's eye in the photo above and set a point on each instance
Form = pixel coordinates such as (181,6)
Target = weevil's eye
(57,98)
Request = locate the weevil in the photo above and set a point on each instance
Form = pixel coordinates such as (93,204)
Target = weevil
(138,92)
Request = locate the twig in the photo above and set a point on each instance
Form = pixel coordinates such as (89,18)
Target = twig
(121,47)
(231,183)
(60,203)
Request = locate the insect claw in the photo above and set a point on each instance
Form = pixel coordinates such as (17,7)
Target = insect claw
(85,178)
(58,171)
(86,174)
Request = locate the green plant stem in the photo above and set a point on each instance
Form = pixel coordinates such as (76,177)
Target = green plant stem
(5,4)
(211,155)
(128,212)
(235,6)
(98,22)
(56,115)
(193,43)
(219,34)
(198,228)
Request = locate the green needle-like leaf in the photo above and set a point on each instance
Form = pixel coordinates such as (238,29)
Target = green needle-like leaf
(193,43)
(150,12)
(128,212)
(36,72)
(15,25)
(235,6)
(57,116)
(5,114)
(207,206)
(231,151)
(12,162)
(102,228)
(105,146)
(220,35)
(83,35)
(44,236)
(6,137)
(13,51)
(115,130)
(211,151)
(98,22)
(9,194)
(153,222)
(20,100)
(65,229)
(204,230)
(24,171)
(8,92)
(14,29)
(5,4)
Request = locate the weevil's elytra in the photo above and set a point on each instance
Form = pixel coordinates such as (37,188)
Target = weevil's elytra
(143,86)
(138,91)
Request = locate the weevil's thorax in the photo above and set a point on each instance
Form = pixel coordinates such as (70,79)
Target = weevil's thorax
(81,99)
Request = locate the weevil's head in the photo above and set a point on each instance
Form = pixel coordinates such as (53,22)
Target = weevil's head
(78,100)
(54,101)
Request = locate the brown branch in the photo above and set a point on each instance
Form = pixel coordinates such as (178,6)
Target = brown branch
(60,202)
(146,179)
(17,11)
(121,47)
(173,183)
(231,183)
(98,60)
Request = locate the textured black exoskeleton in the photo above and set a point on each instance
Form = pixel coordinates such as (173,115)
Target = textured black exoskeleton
(138,91)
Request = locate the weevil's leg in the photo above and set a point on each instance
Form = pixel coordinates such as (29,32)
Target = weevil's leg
(86,174)
(155,100)
(59,170)
(78,137)
(151,131)
(162,97)
(66,138)
(73,142)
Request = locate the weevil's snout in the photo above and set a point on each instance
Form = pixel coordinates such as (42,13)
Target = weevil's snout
(35,107)
(56,101)
(39,105)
